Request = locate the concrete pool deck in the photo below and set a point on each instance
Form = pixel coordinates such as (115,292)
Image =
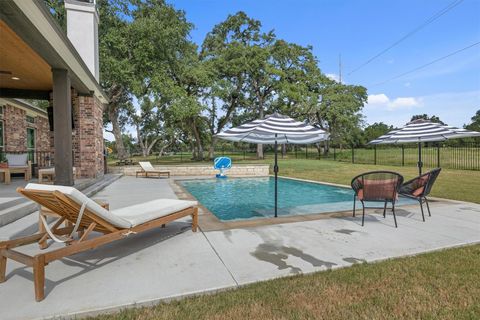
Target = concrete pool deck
(174,262)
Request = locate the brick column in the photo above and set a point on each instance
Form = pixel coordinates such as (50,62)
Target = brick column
(88,136)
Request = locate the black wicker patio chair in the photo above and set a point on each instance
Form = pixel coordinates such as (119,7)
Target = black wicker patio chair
(419,188)
(377,186)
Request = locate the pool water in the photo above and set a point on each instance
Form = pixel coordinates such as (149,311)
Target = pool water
(247,198)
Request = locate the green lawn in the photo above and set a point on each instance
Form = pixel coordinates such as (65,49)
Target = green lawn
(439,285)
(452,184)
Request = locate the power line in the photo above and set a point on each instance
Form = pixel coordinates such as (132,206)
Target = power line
(409,34)
(427,64)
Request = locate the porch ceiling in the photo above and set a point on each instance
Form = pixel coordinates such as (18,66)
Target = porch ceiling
(20,66)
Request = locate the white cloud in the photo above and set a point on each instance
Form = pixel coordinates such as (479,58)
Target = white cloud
(378,99)
(407,103)
(382,101)
(407,84)
(454,108)
(333,76)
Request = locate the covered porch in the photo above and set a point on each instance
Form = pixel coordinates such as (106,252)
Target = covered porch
(40,62)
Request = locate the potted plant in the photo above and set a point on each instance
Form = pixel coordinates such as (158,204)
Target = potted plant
(3,161)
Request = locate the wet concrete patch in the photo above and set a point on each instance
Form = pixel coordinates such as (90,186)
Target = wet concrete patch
(354,260)
(277,255)
(345,231)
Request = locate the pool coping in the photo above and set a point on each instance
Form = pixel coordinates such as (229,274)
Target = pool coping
(209,222)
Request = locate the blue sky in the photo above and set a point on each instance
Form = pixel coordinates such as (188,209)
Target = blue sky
(358,30)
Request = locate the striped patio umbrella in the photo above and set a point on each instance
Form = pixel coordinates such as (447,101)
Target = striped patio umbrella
(421,130)
(275,129)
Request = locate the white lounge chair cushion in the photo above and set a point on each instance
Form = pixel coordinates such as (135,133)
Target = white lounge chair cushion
(147,166)
(80,198)
(52,170)
(17,160)
(151,210)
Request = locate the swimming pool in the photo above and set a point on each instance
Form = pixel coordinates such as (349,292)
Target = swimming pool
(247,198)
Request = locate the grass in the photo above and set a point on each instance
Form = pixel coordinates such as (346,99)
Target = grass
(452,184)
(438,285)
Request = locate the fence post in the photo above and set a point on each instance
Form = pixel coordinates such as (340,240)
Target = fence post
(438,155)
(403,155)
(375,155)
(353,154)
(306,151)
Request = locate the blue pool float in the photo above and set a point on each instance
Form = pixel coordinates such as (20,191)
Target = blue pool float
(222,164)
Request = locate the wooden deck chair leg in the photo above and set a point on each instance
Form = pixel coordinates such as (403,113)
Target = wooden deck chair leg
(41,229)
(39,276)
(3,267)
(385,209)
(195,219)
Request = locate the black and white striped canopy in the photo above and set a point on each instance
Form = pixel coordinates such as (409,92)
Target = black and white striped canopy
(424,131)
(273,128)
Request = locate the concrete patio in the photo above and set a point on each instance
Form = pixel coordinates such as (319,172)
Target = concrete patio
(174,262)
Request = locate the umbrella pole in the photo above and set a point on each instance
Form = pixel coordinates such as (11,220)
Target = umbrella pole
(420,164)
(275,170)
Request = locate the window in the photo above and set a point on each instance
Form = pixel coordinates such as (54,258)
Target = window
(30,119)
(31,144)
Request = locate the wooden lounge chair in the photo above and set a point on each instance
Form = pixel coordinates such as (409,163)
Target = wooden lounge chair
(147,168)
(96,226)
(377,186)
(419,188)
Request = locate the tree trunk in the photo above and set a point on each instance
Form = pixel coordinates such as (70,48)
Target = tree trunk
(260,146)
(152,144)
(211,151)
(197,141)
(117,133)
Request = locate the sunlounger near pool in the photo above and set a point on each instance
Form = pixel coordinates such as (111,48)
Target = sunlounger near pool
(86,216)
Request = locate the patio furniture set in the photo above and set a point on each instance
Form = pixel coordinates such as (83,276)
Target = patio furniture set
(387,186)
(19,163)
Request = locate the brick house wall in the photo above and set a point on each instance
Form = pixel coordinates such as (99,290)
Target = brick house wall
(15,129)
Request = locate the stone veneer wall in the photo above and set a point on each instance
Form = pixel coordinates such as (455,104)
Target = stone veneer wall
(88,135)
(15,130)
(194,170)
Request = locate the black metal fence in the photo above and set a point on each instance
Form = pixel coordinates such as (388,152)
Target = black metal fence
(465,156)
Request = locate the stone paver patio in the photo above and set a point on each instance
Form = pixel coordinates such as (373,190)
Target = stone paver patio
(174,262)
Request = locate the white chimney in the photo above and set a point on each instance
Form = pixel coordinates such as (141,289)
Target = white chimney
(82,30)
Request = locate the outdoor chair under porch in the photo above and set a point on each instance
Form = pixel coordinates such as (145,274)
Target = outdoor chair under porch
(419,188)
(377,186)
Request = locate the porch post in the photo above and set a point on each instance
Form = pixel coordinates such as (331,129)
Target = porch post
(62,131)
